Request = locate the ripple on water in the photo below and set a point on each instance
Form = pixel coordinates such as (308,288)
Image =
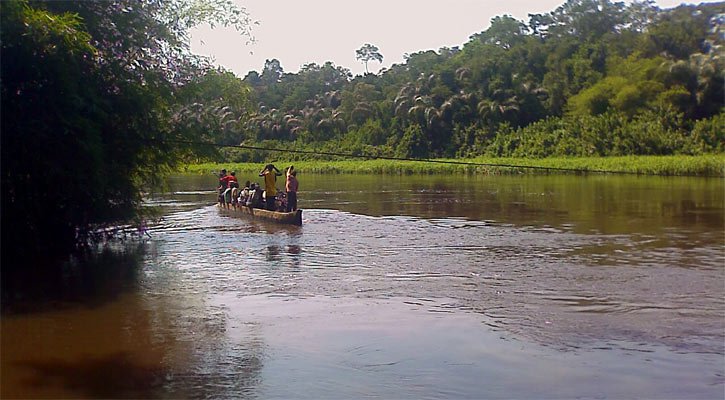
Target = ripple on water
(548,284)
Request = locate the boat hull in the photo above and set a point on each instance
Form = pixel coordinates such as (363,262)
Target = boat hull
(287,218)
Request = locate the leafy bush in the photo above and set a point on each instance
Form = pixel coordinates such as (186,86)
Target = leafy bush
(708,135)
(413,144)
(613,133)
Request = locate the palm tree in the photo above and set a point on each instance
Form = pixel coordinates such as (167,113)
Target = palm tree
(532,98)
(463,74)
(361,113)
(502,106)
(708,68)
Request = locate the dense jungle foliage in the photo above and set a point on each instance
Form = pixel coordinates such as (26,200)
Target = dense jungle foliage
(100,99)
(591,78)
(91,96)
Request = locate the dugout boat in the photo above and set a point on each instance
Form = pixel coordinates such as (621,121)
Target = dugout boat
(287,218)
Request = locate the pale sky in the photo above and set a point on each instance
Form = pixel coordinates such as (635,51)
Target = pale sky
(300,32)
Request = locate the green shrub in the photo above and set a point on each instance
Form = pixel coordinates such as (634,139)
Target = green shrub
(708,135)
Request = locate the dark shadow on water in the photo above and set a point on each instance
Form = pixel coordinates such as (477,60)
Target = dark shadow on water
(294,250)
(115,376)
(273,253)
(91,280)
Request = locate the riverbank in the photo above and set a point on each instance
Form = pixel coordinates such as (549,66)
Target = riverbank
(705,165)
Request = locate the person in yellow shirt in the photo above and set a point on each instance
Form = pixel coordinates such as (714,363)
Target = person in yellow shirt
(270,174)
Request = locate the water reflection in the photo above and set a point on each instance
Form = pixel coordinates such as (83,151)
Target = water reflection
(112,376)
(124,325)
(105,351)
(294,250)
(273,253)
(90,281)
(398,287)
(592,204)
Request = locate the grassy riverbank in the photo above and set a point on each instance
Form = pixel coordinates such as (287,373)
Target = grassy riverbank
(707,165)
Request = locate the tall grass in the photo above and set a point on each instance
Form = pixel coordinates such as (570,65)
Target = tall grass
(703,165)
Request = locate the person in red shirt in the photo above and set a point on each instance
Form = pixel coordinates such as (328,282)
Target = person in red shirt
(229,182)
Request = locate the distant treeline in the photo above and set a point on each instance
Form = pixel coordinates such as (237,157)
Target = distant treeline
(591,78)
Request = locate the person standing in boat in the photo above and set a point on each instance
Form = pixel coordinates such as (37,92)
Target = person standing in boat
(291,187)
(270,174)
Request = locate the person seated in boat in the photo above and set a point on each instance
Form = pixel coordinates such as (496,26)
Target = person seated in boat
(233,189)
(270,174)
(255,199)
(252,188)
(222,186)
(231,182)
(244,194)
(281,202)
(235,197)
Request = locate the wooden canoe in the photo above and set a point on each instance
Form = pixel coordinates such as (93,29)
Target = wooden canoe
(288,218)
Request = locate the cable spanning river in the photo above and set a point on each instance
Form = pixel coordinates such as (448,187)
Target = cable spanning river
(398,287)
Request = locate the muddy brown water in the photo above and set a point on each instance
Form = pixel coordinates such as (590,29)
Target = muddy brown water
(395,287)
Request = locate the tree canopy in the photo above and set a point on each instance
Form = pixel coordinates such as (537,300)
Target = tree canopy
(93,103)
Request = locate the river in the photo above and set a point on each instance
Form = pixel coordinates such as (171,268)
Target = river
(395,287)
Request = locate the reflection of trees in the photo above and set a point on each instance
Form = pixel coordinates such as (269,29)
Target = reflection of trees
(595,203)
(93,339)
(96,279)
(111,376)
